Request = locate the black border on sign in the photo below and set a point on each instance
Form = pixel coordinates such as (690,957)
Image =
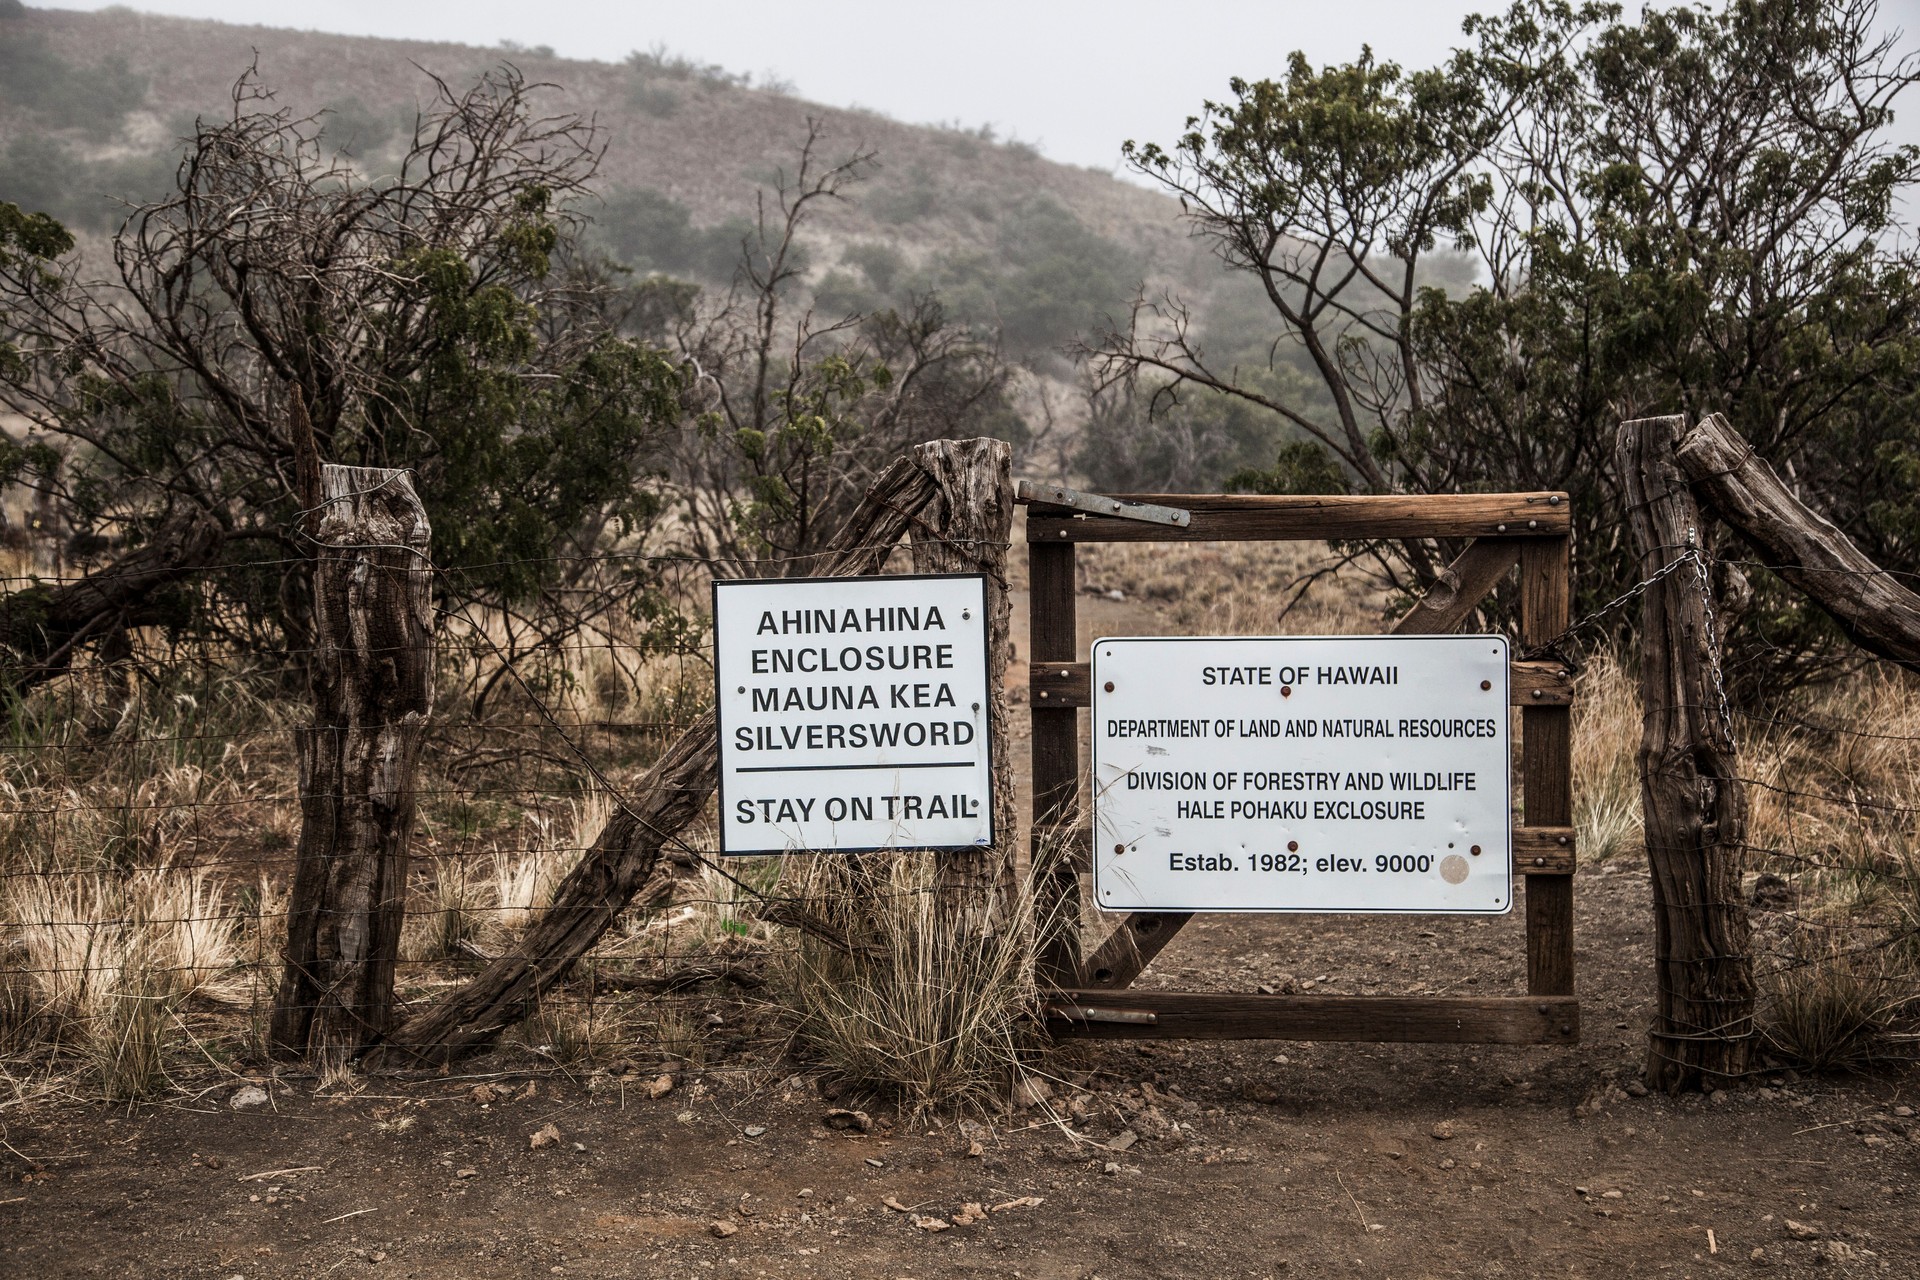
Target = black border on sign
(1093,779)
(720,771)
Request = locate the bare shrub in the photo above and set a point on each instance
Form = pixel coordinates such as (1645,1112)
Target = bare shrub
(1834,1010)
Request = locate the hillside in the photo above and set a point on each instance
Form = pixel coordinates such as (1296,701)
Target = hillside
(91,103)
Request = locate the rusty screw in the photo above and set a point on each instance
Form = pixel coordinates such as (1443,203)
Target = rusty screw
(1119,848)
(1108,686)
(1293,846)
(1486,684)
(1475,851)
(1286,691)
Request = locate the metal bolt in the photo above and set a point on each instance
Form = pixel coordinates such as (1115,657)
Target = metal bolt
(965,614)
(1560,840)
(1119,848)
(1286,691)
(1539,862)
(743,688)
(1043,693)
(1063,674)
(976,706)
(1539,693)
(1475,851)
(1553,500)
(1108,686)
(1499,528)
(1533,524)
(1293,846)
(1486,684)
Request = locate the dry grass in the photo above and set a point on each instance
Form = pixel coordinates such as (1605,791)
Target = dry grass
(1606,772)
(914,1003)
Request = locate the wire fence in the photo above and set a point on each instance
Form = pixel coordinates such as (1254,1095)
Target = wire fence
(150,819)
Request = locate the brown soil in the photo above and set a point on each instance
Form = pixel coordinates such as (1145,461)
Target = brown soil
(1288,1159)
(1249,1159)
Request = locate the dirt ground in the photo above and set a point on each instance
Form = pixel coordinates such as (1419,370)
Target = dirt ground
(1228,1160)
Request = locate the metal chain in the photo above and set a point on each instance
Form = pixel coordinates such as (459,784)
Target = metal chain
(1551,648)
(1703,566)
(1700,559)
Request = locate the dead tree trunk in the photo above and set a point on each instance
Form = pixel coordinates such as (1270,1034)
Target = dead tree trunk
(671,795)
(372,681)
(43,629)
(1802,546)
(1694,804)
(966,529)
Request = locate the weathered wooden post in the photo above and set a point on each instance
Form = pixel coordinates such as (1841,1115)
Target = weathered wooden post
(1695,806)
(372,680)
(966,529)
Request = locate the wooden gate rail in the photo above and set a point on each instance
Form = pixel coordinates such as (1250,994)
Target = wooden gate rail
(1527,532)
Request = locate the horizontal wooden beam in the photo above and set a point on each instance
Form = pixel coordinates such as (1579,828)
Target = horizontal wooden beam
(1193,1015)
(1543,851)
(1070,684)
(1539,684)
(1314,517)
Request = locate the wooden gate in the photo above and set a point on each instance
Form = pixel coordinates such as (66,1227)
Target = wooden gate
(1527,531)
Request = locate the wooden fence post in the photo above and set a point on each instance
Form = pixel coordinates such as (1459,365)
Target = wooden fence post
(1693,800)
(372,682)
(965,529)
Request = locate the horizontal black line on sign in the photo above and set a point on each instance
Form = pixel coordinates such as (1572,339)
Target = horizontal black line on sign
(834,768)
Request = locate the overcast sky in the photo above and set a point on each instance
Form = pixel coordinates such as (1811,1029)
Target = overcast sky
(1075,77)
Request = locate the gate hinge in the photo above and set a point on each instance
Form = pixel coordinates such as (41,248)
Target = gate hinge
(1099,505)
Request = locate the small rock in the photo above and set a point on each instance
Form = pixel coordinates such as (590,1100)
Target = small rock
(876,1163)
(720,1229)
(1635,1089)
(485,1094)
(1613,1195)
(1260,1091)
(1123,1140)
(1024,1202)
(932,1224)
(1447,1163)
(1800,1230)
(842,1118)
(662,1086)
(376,1256)
(580,1148)
(1031,1090)
(1445,1131)
(546,1136)
(466,1173)
(1112,1169)
(1905,1113)
(1833,1251)
(246,1096)
(970,1213)
(754,1130)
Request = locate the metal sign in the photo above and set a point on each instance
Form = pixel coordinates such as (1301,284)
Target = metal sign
(1325,773)
(853,713)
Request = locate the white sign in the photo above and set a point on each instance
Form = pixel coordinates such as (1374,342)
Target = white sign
(853,713)
(1325,773)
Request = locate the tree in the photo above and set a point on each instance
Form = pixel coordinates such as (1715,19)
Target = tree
(793,413)
(1687,212)
(435,318)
